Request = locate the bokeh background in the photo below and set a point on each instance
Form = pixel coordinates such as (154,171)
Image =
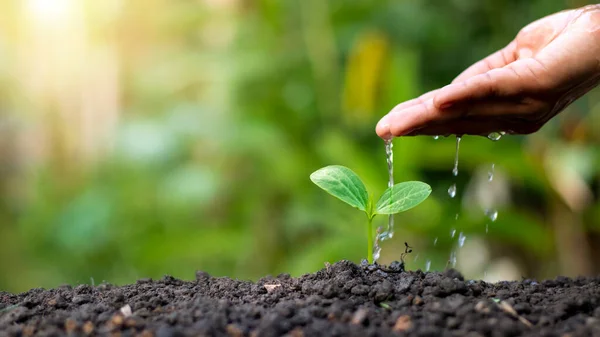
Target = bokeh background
(147,137)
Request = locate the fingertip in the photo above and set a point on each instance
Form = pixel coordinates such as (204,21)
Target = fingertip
(383,128)
(392,125)
(400,127)
(414,118)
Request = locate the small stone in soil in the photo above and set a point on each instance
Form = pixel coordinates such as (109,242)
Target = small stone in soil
(403,323)
(271,287)
(359,316)
(126,310)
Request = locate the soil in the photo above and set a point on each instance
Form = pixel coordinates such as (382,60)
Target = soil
(343,299)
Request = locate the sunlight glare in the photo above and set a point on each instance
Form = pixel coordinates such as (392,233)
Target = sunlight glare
(49,11)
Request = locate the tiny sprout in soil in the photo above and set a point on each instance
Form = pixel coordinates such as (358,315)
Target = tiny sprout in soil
(344,184)
(407,250)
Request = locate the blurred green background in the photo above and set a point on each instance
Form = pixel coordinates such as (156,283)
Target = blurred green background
(149,137)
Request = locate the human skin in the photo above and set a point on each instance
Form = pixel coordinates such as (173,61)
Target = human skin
(551,63)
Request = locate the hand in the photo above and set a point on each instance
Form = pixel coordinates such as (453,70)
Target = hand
(550,64)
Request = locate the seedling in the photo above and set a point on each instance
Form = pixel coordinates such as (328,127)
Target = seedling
(344,184)
(407,250)
(396,267)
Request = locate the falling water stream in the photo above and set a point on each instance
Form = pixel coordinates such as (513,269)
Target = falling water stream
(389,232)
(389,155)
(452,188)
(376,246)
(455,169)
(492,214)
(452,194)
(491,172)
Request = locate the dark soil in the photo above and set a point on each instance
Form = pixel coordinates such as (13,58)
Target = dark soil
(341,300)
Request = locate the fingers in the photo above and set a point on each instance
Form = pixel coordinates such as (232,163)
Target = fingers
(408,118)
(383,126)
(569,66)
(499,59)
(466,126)
(479,126)
(499,91)
(422,108)
(417,100)
(474,88)
(516,79)
(474,118)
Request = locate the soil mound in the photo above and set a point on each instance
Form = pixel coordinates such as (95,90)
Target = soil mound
(343,299)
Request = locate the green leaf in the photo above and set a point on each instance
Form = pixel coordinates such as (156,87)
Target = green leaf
(342,183)
(402,197)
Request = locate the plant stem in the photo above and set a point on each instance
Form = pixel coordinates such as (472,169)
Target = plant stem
(370,241)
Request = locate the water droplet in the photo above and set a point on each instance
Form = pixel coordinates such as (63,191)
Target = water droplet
(382,236)
(456,216)
(453,259)
(436,137)
(491,173)
(452,191)
(494,136)
(376,253)
(416,258)
(427,265)
(461,239)
(487,228)
(452,232)
(435,241)
(492,214)
(386,236)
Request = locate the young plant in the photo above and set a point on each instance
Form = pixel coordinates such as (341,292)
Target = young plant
(344,184)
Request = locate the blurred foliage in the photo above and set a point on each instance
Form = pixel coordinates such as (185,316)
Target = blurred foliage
(226,107)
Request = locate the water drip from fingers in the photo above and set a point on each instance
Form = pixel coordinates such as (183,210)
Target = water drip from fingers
(389,232)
